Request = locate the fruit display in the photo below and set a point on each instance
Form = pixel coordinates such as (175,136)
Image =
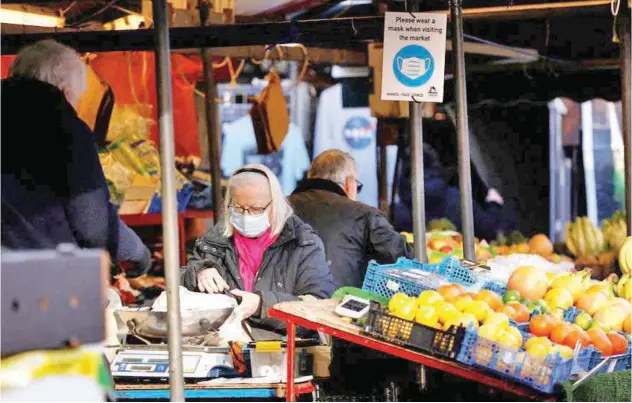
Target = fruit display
(442,224)
(583,239)
(440,244)
(625,256)
(614,231)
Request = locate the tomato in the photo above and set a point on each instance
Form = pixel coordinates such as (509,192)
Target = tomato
(541,325)
(522,312)
(577,335)
(600,340)
(619,343)
(559,332)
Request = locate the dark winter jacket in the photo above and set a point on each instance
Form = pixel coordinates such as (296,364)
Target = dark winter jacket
(294,265)
(351,231)
(442,200)
(53,187)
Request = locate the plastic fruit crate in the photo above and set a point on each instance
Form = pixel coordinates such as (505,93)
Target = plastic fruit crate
(388,279)
(437,342)
(516,365)
(619,362)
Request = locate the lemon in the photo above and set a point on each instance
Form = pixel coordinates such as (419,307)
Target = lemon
(539,350)
(515,333)
(427,315)
(429,298)
(489,331)
(397,301)
(509,339)
(447,312)
(565,351)
(479,309)
(467,318)
(406,310)
(559,298)
(497,318)
(461,302)
(537,340)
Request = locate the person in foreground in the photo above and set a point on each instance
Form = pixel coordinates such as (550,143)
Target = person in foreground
(260,251)
(352,232)
(53,187)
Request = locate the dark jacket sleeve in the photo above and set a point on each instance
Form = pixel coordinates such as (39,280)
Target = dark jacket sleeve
(93,219)
(198,262)
(385,241)
(313,278)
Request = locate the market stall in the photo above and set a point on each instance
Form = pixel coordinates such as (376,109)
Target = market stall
(359,29)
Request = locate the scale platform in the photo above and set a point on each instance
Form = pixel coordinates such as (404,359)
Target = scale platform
(151,362)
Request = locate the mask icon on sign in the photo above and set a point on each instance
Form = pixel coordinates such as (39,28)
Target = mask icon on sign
(413,67)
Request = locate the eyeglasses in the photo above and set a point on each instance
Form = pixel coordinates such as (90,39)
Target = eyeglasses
(360,185)
(251,210)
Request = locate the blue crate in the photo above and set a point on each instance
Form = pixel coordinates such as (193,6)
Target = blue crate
(183,196)
(377,279)
(496,287)
(516,365)
(617,363)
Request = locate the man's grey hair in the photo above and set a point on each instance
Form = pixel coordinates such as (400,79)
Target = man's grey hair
(334,165)
(53,63)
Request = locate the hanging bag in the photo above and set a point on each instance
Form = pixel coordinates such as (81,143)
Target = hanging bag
(270,117)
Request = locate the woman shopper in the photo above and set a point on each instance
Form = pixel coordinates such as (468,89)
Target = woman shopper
(260,251)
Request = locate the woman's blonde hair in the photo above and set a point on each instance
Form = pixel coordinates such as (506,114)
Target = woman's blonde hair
(279,207)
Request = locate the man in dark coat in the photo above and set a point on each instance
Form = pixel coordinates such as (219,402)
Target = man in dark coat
(53,187)
(352,231)
(443,200)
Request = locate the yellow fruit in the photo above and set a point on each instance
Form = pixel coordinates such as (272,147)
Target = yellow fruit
(537,340)
(516,334)
(565,351)
(558,313)
(461,302)
(497,318)
(429,298)
(508,338)
(569,282)
(612,317)
(427,315)
(406,310)
(479,309)
(490,332)
(467,318)
(539,350)
(447,312)
(559,298)
(397,301)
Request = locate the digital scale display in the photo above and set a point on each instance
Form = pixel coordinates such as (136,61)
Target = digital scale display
(155,364)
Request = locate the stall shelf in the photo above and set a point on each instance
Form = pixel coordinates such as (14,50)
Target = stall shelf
(219,392)
(318,315)
(144,220)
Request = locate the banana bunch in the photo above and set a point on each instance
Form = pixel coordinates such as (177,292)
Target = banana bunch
(614,231)
(624,287)
(583,239)
(625,256)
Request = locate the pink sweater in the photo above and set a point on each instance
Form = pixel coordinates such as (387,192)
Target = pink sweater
(250,254)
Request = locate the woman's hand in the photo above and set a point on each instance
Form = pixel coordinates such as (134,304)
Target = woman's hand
(249,302)
(209,280)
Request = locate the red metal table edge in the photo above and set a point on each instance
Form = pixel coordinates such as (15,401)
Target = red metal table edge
(432,362)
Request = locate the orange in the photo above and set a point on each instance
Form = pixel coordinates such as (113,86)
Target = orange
(619,343)
(522,312)
(600,340)
(559,332)
(541,325)
(509,311)
(577,335)
(492,299)
(450,291)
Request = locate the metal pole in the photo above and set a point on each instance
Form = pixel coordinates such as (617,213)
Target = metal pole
(626,83)
(415,134)
(169,203)
(463,143)
(213,129)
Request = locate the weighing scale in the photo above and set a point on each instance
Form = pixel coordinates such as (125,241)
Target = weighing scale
(142,362)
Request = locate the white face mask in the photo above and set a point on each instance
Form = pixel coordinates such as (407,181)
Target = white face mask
(413,67)
(250,226)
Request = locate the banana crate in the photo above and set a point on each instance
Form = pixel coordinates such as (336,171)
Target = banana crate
(539,373)
(437,342)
